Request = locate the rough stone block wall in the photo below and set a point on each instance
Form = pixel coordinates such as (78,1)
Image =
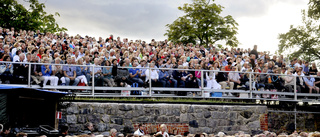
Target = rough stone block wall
(199,118)
(284,122)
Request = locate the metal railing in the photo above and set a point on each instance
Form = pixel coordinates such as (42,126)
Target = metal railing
(96,91)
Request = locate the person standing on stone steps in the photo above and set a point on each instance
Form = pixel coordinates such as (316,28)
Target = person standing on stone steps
(140,131)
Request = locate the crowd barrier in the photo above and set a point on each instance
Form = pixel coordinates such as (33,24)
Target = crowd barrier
(152,91)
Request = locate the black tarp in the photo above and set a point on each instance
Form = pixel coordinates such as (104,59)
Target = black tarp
(28,107)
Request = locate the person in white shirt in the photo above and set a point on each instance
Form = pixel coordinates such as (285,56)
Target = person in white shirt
(163,129)
(140,131)
(234,77)
(153,75)
(98,76)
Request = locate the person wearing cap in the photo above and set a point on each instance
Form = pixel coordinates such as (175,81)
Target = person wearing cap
(140,130)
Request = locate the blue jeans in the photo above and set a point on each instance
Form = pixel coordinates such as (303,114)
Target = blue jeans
(199,82)
(75,82)
(138,80)
(165,82)
(182,84)
(259,85)
(174,82)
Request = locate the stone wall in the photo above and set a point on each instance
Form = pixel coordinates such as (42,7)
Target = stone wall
(199,118)
(284,122)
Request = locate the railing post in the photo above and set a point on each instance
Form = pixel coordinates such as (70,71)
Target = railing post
(295,116)
(29,75)
(92,83)
(250,84)
(150,93)
(295,87)
(202,83)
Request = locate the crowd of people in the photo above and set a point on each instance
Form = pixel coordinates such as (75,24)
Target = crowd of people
(119,62)
(5,131)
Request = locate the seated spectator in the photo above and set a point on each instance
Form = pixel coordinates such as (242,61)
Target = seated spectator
(246,79)
(57,69)
(310,84)
(211,80)
(198,75)
(228,67)
(107,73)
(189,78)
(80,72)
(97,72)
(234,77)
(305,68)
(259,84)
(289,81)
(46,71)
(135,73)
(223,80)
(153,75)
(6,76)
(87,69)
(20,70)
(173,81)
(313,69)
(70,74)
(300,82)
(164,78)
(317,80)
(122,76)
(277,81)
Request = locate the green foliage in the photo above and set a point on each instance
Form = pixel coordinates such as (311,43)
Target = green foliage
(16,15)
(301,41)
(314,9)
(203,23)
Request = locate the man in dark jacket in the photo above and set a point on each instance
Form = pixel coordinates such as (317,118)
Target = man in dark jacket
(122,76)
(20,70)
(254,51)
(177,75)
(36,74)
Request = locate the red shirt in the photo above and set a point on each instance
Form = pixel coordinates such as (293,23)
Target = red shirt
(226,68)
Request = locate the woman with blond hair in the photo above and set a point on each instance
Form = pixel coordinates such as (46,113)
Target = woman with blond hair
(113,132)
(163,129)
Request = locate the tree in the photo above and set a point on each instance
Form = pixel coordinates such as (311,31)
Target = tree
(16,15)
(314,9)
(301,41)
(202,22)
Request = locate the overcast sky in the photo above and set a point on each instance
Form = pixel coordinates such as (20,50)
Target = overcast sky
(260,21)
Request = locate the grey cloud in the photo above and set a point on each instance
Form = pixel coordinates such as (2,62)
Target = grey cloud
(142,18)
(252,8)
